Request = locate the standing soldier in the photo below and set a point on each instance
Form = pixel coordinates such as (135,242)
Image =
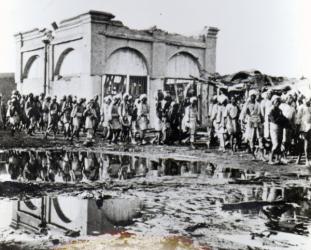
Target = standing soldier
(133,113)
(220,120)
(190,119)
(53,118)
(97,108)
(126,119)
(37,110)
(29,110)
(66,115)
(77,118)
(174,118)
(45,112)
(158,117)
(14,112)
(251,113)
(166,104)
(304,118)
(232,114)
(114,118)
(277,123)
(24,119)
(84,105)
(60,105)
(105,116)
(90,115)
(213,115)
(142,117)
(290,113)
(42,98)
(61,101)
(266,105)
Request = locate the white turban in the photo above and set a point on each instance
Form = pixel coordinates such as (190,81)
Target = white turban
(193,99)
(143,96)
(117,96)
(253,92)
(136,102)
(275,98)
(264,95)
(125,95)
(108,98)
(222,98)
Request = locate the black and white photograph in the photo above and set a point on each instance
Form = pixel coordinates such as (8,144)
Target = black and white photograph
(155,124)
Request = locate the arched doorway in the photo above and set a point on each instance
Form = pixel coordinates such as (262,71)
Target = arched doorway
(180,68)
(126,71)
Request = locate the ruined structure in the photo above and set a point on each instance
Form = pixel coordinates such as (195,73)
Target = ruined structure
(94,54)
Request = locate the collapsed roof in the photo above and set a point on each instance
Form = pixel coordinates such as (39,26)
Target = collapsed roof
(252,79)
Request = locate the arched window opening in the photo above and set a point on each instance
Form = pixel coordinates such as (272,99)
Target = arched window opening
(180,68)
(68,64)
(126,71)
(33,68)
(182,65)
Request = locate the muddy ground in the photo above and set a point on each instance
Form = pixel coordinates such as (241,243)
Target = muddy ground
(161,197)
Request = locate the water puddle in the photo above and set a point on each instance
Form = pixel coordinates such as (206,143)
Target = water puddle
(254,204)
(77,166)
(284,209)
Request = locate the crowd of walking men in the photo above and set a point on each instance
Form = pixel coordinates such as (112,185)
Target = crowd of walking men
(269,124)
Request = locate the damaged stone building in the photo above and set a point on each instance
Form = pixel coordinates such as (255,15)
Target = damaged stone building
(94,54)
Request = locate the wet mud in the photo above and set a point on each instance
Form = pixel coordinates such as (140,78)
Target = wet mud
(73,198)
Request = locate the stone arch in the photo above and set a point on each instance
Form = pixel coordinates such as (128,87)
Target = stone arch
(68,63)
(60,212)
(183,64)
(127,60)
(30,205)
(31,65)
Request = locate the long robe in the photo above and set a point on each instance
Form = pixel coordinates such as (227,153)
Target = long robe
(290,113)
(304,118)
(143,116)
(232,113)
(266,106)
(114,115)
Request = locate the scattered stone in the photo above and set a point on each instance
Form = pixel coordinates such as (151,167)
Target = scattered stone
(55,241)
(71,233)
(195,227)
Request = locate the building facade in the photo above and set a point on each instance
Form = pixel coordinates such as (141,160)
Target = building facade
(94,54)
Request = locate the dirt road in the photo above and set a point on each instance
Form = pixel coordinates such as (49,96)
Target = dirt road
(163,197)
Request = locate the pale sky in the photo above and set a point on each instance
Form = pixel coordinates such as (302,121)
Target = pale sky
(273,36)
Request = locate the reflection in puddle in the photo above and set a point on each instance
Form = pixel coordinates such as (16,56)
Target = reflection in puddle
(69,215)
(76,166)
(271,206)
(286,209)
